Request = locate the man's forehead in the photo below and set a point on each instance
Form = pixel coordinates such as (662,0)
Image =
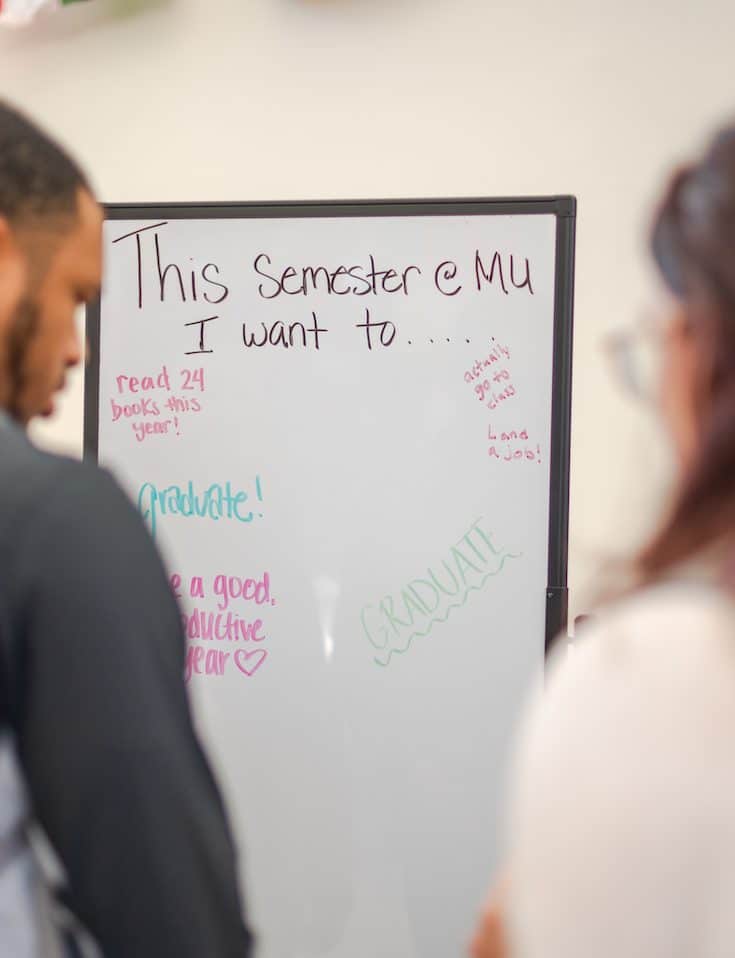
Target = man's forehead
(64,246)
(89,210)
(87,224)
(81,248)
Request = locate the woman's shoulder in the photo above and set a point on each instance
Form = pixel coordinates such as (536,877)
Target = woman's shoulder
(686,620)
(641,710)
(659,663)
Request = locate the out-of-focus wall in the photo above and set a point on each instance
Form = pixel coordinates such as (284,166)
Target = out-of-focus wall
(276,99)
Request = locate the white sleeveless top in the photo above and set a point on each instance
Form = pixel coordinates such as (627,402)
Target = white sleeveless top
(622,824)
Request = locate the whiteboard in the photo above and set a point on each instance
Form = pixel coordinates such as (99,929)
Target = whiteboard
(347,427)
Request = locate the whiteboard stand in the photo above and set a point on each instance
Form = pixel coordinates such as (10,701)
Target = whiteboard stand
(400,504)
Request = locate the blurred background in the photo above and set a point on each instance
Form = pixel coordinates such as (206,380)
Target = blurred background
(171,100)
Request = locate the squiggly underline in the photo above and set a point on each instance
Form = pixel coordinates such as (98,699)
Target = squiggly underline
(442,619)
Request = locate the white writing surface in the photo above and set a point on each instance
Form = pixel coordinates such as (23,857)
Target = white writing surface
(338,431)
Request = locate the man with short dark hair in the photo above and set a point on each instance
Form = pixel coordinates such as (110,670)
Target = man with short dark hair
(96,737)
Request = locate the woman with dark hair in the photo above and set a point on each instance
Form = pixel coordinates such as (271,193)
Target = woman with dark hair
(622,817)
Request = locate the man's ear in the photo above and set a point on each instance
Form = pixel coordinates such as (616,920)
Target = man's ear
(13,273)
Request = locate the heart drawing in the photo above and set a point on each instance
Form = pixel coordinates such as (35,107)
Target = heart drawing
(250,662)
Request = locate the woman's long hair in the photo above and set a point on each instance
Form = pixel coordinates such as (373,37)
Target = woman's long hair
(693,243)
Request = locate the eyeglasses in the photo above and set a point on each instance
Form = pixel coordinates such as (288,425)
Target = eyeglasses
(636,357)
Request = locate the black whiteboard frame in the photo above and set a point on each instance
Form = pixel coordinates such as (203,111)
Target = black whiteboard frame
(564,208)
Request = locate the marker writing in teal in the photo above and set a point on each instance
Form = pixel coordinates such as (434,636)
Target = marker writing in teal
(413,611)
(217,502)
